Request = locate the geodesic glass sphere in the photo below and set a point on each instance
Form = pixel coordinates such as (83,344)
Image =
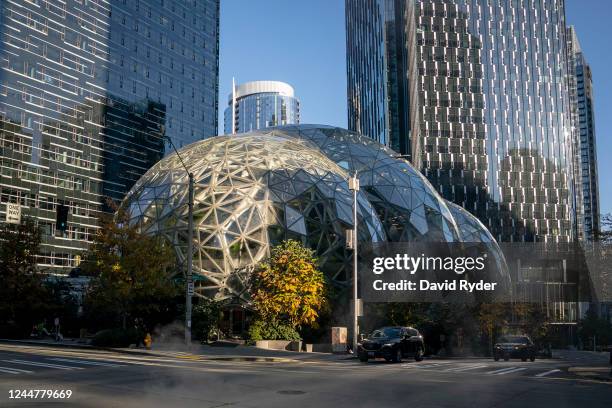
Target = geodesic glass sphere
(473,233)
(408,206)
(251,191)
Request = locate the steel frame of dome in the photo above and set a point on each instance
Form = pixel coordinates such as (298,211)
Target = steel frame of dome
(408,206)
(253,190)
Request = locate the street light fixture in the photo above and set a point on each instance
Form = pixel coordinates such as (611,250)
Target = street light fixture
(354,187)
(189,279)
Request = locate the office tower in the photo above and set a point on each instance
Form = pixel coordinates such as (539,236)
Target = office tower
(87,90)
(376,66)
(260,104)
(581,91)
(488,105)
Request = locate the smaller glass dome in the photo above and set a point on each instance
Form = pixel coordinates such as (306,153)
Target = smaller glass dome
(474,235)
(408,206)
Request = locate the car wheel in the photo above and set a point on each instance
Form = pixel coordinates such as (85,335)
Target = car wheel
(496,358)
(418,356)
(398,356)
(506,358)
(532,359)
(363,359)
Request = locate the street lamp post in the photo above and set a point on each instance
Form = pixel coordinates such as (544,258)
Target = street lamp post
(189,289)
(354,187)
(189,277)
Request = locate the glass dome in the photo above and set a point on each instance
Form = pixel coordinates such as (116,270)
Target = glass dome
(408,206)
(474,235)
(251,191)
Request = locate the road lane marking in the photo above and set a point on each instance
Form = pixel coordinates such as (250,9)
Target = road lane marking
(516,370)
(87,362)
(464,368)
(47,365)
(544,374)
(11,370)
(18,370)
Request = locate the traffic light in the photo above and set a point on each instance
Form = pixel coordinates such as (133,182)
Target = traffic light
(61,219)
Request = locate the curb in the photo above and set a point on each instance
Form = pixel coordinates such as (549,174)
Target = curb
(150,353)
(74,346)
(597,373)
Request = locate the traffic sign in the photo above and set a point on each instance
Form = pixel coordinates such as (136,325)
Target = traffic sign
(13,213)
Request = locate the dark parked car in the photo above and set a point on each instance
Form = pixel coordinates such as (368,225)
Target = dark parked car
(514,347)
(392,344)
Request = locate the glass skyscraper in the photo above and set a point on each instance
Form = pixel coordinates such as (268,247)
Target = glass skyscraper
(260,104)
(376,64)
(489,120)
(581,91)
(87,89)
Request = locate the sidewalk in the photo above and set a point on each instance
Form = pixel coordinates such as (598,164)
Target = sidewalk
(591,365)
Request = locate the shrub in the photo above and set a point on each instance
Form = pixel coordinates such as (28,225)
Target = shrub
(272,330)
(117,338)
(205,319)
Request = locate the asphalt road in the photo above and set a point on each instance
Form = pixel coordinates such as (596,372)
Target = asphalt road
(108,379)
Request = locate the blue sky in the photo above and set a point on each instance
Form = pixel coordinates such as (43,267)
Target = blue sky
(303,43)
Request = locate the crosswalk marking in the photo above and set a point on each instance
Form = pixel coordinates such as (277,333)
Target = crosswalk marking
(514,370)
(466,368)
(424,365)
(500,370)
(40,364)
(87,362)
(545,373)
(11,370)
(18,370)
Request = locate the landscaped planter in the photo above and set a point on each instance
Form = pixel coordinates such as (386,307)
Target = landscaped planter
(290,345)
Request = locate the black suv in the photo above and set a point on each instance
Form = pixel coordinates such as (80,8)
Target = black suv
(514,347)
(392,344)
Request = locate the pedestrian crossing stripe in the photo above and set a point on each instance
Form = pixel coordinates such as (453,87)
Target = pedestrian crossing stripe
(11,370)
(507,370)
(87,362)
(40,364)
(466,368)
(545,373)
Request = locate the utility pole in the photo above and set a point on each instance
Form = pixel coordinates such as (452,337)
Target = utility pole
(354,187)
(189,278)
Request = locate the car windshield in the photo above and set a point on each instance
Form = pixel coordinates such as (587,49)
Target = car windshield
(514,339)
(386,332)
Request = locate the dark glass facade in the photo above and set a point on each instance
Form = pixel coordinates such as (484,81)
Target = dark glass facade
(581,91)
(366,70)
(87,89)
(488,108)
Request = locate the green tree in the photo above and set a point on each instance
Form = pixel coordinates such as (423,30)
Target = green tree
(532,321)
(23,298)
(131,273)
(491,317)
(604,234)
(593,326)
(205,318)
(289,287)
